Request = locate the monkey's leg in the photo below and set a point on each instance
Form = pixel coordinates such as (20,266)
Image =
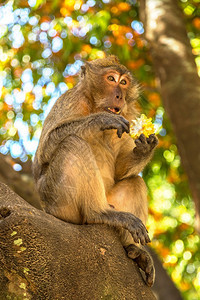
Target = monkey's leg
(72,189)
(130,195)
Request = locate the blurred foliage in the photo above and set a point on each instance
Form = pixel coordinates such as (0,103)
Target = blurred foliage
(42,45)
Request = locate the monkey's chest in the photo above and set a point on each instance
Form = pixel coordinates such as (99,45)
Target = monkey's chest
(105,151)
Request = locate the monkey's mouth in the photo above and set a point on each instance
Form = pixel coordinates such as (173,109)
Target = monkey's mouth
(114,110)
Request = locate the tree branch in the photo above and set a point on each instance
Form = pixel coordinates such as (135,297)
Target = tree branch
(21,183)
(42,257)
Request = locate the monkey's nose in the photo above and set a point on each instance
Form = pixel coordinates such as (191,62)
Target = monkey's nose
(119,97)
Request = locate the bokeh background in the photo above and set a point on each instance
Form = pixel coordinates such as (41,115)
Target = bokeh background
(42,46)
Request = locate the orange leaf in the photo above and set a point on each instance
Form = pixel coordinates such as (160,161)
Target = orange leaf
(154,98)
(87,48)
(18,72)
(120,41)
(123,6)
(135,64)
(196,23)
(65,12)
(45,19)
(114,10)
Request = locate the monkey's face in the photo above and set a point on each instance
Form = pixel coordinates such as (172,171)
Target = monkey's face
(115,91)
(109,85)
(110,91)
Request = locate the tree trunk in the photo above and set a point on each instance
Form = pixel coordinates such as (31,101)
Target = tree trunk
(42,257)
(180,85)
(164,288)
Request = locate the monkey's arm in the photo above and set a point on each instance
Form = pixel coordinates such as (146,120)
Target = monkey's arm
(133,157)
(84,127)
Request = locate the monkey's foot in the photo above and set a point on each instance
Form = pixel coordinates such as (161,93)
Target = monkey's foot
(125,220)
(144,262)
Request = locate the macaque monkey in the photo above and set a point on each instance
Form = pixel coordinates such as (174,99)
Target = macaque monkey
(86,166)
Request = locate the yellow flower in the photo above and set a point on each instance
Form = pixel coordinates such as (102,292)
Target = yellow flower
(141,125)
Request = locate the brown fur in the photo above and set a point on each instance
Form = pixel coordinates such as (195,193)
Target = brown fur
(85,163)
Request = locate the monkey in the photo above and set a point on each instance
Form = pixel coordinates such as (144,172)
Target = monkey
(86,165)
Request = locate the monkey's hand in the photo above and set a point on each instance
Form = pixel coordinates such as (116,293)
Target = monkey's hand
(144,262)
(110,121)
(145,146)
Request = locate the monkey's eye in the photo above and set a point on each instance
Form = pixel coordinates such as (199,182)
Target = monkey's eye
(123,81)
(111,78)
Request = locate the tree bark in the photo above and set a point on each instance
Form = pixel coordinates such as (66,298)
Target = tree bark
(20,182)
(179,82)
(42,257)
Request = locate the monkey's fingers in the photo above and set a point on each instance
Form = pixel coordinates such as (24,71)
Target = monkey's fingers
(152,140)
(135,237)
(145,262)
(150,275)
(133,251)
(139,232)
(144,238)
(123,127)
(138,144)
(141,144)
(115,122)
(142,138)
(123,120)
(120,131)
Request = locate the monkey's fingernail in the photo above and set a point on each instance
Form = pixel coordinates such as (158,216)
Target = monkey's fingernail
(119,134)
(126,121)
